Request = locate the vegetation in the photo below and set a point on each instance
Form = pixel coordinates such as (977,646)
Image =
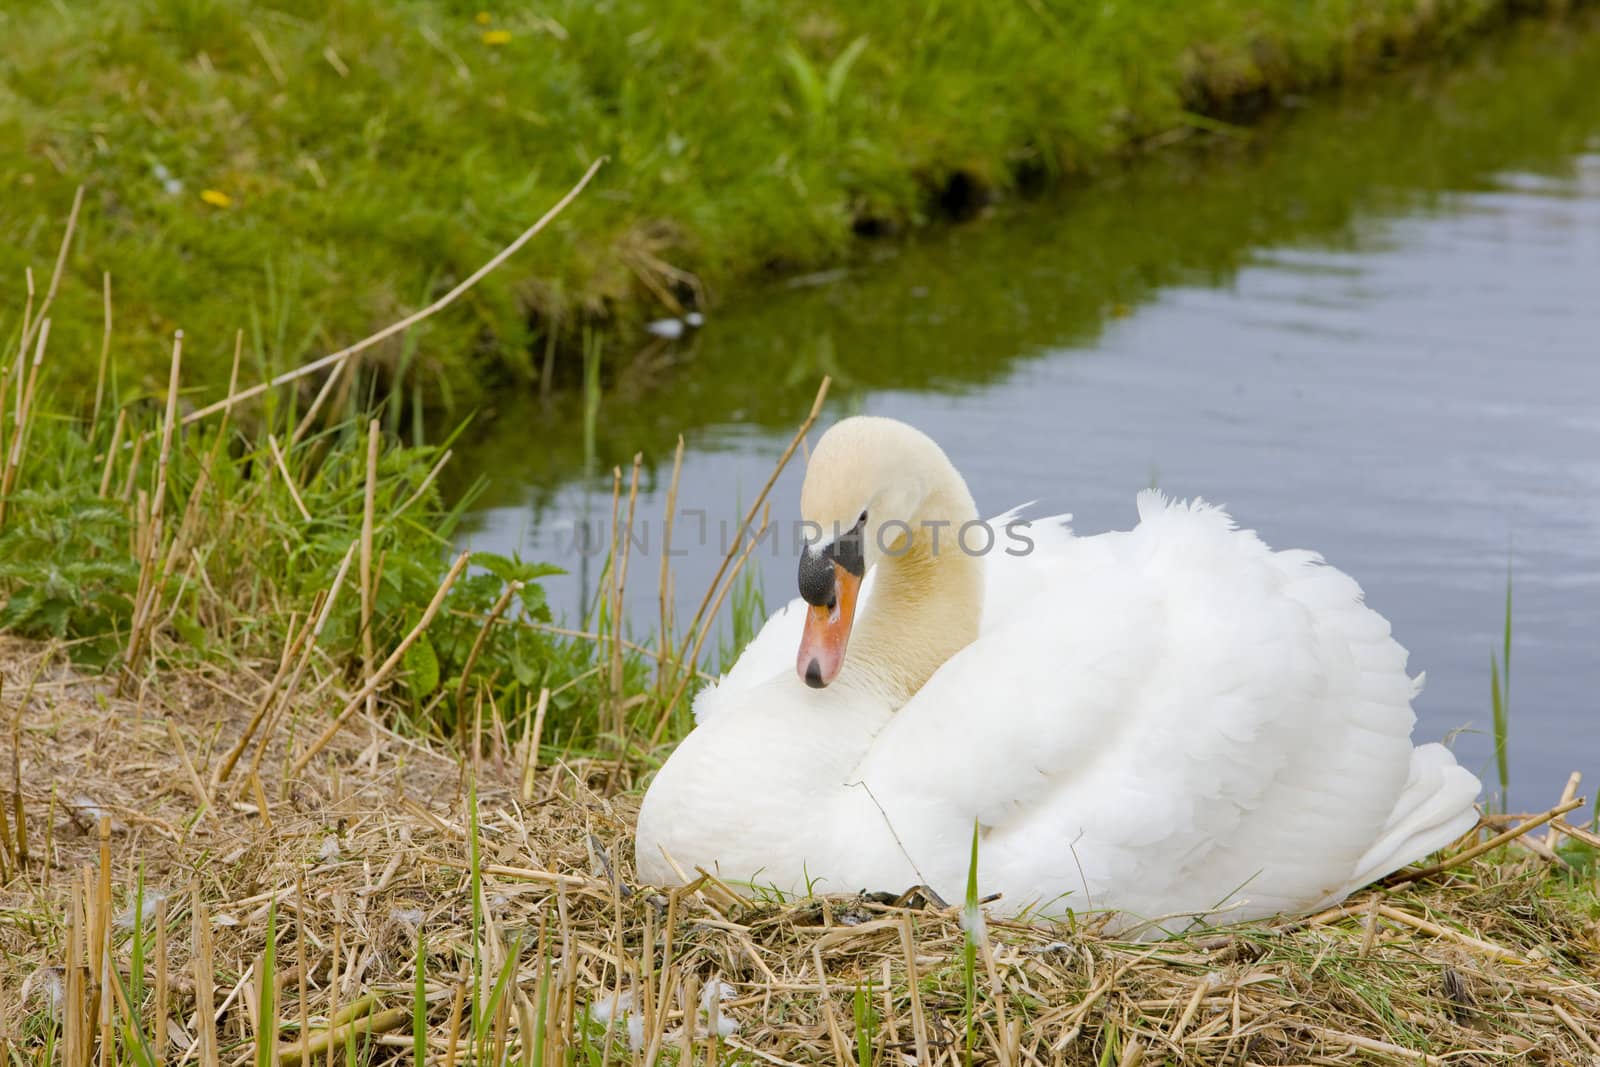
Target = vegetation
(307,171)
(136,543)
(208,854)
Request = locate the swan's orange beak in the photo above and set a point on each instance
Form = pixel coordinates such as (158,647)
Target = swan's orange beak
(827,631)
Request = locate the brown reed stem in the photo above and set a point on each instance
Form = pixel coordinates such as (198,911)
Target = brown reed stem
(664,584)
(20,431)
(1479,849)
(288,479)
(702,632)
(620,709)
(410,320)
(43,313)
(148,598)
(105,356)
(382,672)
(111,453)
(499,609)
(685,664)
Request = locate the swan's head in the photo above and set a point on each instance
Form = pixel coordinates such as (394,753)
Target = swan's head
(866,486)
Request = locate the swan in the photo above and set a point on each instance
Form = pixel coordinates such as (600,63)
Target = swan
(1171,724)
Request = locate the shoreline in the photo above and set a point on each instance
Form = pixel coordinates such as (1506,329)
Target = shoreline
(306,268)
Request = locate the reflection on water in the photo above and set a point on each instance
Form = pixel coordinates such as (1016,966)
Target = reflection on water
(1374,331)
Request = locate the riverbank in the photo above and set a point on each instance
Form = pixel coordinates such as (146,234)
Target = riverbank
(282,173)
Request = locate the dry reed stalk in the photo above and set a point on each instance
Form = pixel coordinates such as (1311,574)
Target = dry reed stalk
(703,632)
(323,609)
(201,797)
(334,1008)
(1577,833)
(1494,951)
(74,996)
(102,928)
(133,471)
(919,1022)
(18,854)
(1369,1044)
(1493,843)
(378,676)
(204,967)
(616,618)
(530,757)
(422,486)
(691,636)
(406,323)
(1573,1025)
(309,418)
(105,354)
(501,603)
(368,593)
(288,479)
(13,372)
(55,275)
(20,430)
(453,1029)
(148,596)
(291,648)
(841,1047)
(1568,791)
(111,452)
(664,585)
(613,606)
(163,985)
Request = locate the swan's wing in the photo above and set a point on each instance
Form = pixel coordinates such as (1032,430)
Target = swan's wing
(768,653)
(1011,568)
(1176,712)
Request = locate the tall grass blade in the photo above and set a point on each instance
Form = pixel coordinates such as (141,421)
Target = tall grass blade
(971,925)
(419,1004)
(1500,701)
(267,984)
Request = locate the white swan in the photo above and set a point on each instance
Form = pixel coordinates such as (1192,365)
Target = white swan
(1172,721)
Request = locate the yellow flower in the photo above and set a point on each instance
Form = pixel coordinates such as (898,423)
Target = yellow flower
(216,197)
(481,18)
(497,37)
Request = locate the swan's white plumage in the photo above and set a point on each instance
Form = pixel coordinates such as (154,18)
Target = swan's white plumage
(1175,720)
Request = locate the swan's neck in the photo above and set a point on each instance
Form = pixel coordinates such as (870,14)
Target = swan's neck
(925,604)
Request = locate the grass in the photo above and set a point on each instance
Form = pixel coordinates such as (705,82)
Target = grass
(305,173)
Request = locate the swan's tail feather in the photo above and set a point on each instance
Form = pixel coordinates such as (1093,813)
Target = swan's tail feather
(1434,808)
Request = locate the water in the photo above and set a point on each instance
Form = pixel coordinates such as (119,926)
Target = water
(1371,328)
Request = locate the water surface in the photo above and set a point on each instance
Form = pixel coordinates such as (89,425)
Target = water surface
(1371,328)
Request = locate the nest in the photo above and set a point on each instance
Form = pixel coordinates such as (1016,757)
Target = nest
(334,914)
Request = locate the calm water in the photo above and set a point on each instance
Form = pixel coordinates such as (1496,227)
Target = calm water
(1372,329)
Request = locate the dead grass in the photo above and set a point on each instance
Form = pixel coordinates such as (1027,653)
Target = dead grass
(1494,960)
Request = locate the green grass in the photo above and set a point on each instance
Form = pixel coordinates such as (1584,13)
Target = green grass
(263,550)
(308,172)
(1500,702)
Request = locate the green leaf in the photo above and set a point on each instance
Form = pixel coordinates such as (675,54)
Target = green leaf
(421,664)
